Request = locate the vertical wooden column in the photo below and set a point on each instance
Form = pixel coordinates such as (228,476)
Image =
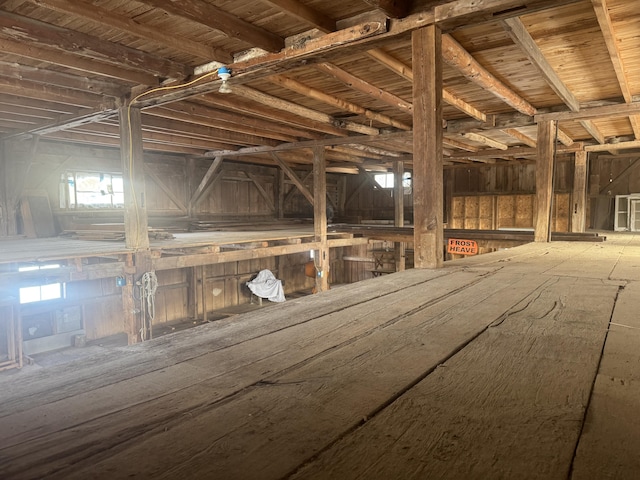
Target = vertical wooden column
(579,196)
(4,193)
(320,218)
(135,205)
(427,148)
(449,183)
(135,215)
(398,217)
(544,179)
(279,179)
(130,317)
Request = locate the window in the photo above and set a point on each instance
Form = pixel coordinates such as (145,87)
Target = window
(91,190)
(39,293)
(386,180)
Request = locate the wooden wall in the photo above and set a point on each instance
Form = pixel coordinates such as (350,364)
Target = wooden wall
(610,175)
(492,212)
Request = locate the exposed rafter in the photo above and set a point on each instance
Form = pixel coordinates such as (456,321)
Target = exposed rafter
(301,111)
(316,94)
(391,8)
(406,72)
(365,87)
(458,57)
(207,14)
(523,39)
(609,34)
(102,16)
(31,32)
(305,14)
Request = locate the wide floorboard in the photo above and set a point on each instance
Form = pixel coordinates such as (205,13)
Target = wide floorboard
(518,364)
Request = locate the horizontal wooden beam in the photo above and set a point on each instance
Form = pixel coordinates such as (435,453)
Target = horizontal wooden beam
(33,32)
(103,16)
(184,261)
(458,57)
(613,146)
(355,139)
(207,14)
(607,111)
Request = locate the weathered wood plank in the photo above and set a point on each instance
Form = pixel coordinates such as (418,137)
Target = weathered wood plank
(508,405)
(427,147)
(612,414)
(410,326)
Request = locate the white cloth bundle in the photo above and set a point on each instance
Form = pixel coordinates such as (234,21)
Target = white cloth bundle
(266,285)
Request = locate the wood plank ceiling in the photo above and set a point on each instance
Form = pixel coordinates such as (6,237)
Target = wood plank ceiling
(336,72)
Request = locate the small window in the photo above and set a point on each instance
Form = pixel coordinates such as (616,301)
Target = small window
(91,190)
(40,293)
(386,180)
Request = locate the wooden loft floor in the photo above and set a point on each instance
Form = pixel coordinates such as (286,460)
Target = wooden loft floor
(518,364)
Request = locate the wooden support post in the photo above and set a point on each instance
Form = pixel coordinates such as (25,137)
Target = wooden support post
(135,204)
(544,179)
(5,211)
(449,182)
(427,148)
(398,218)
(130,314)
(279,179)
(203,277)
(342,196)
(320,218)
(579,196)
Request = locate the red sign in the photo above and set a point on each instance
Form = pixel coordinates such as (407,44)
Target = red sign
(462,247)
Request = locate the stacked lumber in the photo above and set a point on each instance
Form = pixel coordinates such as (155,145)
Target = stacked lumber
(116,234)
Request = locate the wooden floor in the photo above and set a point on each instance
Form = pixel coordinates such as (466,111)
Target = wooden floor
(519,364)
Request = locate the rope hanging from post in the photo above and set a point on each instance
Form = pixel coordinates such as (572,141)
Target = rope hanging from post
(148,286)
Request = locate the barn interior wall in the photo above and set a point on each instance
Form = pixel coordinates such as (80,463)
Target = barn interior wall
(182,294)
(610,175)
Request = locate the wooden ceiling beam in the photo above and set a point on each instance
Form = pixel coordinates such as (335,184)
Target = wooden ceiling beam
(613,146)
(365,87)
(233,103)
(233,121)
(521,137)
(258,67)
(32,32)
(213,17)
(391,8)
(210,121)
(308,91)
(456,14)
(65,80)
(51,93)
(458,57)
(406,72)
(175,138)
(564,139)
(301,111)
(383,138)
(102,16)
(305,14)
(609,34)
(163,124)
(483,139)
(48,107)
(85,65)
(515,152)
(606,111)
(521,37)
(89,139)
(455,143)
(40,114)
